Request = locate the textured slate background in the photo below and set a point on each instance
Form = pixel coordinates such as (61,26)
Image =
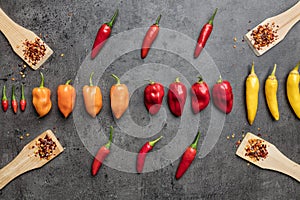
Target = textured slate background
(71,27)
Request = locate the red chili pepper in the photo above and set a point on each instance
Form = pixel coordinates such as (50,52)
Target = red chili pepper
(102,154)
(4,101)
(150,37)
(187,157)
(23,100)
(223,96)
(200,95)
(148,146)
(102,35)
(204,35)
(153,97)
(176,97)
(14,103)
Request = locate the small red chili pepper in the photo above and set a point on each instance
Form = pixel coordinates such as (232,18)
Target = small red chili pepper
(153,97)
(187,158)
(223,96)
(176,97)
(23,100)
(200,95)
(4,101)
(150,37)
(148,146)
(204,35)
(14,103)
(102,154)
(102,35)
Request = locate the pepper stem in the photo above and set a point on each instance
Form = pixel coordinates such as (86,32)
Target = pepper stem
(252,68)
(23,96)
(42,80)
(150,82)
(157,20)
(91,79)
(274,70)
(68,82)
(152,143)
(117,79)
(13,97)
(177,80)
(297,66)
(195,143)
(211,20)
(4,98)
(200,79)
(220,79)
(110,137)
(112,21)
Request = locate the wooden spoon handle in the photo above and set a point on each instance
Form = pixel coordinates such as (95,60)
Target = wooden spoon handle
(291,16)
(6,23)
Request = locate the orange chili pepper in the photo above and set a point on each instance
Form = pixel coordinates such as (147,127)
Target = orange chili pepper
(92,98)
(66,96)
(41,98)
(119,98)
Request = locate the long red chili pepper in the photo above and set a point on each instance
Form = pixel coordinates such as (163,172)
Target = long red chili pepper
(204,35)
(187,157)
(102,35)
(200,95)
(14,103)
(4,101)
(150,37)
(176,97)
(148,146)
(153,97)
(23,100)
(102,154)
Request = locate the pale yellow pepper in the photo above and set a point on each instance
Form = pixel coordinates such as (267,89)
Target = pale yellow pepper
(271,87)
(292,88)
(252,89)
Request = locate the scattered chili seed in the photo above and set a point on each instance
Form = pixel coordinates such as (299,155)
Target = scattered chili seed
(264,35)
(234,39)
(256,149)
(27,134)
(248,164)
(258,129)
(228,137)
(237,144)
(233,135)
(234,46)
(46,147)
(62,55)
(34,51)
(13,79)
(21,137)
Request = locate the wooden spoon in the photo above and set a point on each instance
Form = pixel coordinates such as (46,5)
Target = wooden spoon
(285,21)
(27,159)
(16,35)
(275,160)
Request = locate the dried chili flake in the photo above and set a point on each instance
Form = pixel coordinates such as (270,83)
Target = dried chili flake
(46,147)
(264,35)
(34,50)
(256,149)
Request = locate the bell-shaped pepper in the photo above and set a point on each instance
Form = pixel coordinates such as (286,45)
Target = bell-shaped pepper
(153,97)
(223,96)
(177,97)
(66,96)
(200,95)
(92,98)
(41,98)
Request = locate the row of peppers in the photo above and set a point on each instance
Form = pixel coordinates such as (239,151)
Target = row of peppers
(14,102)
(105,30)
(271,86)
(186,159)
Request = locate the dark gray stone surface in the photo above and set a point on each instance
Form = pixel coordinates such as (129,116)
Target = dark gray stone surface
(71,27)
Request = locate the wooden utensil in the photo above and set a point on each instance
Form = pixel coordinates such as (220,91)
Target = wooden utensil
(16,35)
(275,160)
(285,21)
(27,159)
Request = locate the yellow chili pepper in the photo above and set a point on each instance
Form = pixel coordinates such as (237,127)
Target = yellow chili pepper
(292,88)
(252,89)
(271,86)
(41,99)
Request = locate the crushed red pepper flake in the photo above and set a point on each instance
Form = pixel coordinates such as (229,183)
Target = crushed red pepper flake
(256,149)
(264,35)
(34,50)
(46,147)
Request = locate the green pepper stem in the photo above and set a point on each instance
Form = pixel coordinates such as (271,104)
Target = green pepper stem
(252,68)
(177,80)
(200,79)
(112,21)
(297,66)
(23,95)
(110,137)
(220,79)
(274,70)
(117,79)
(211,20)
(13,96)
(195,143)
(4,98)
(42,80)
(157,20)
(68,82)
(153,142)
(91,79)
(150,82)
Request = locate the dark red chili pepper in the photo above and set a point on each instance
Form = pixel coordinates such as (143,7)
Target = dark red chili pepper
(187,158)
(148,146)
(200,95)
(23,100)
(153,97)
(4,101)
(176,97)
(204,35)
(14,103)
(150,37)
(102,35)
(223,96)
(102,154)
